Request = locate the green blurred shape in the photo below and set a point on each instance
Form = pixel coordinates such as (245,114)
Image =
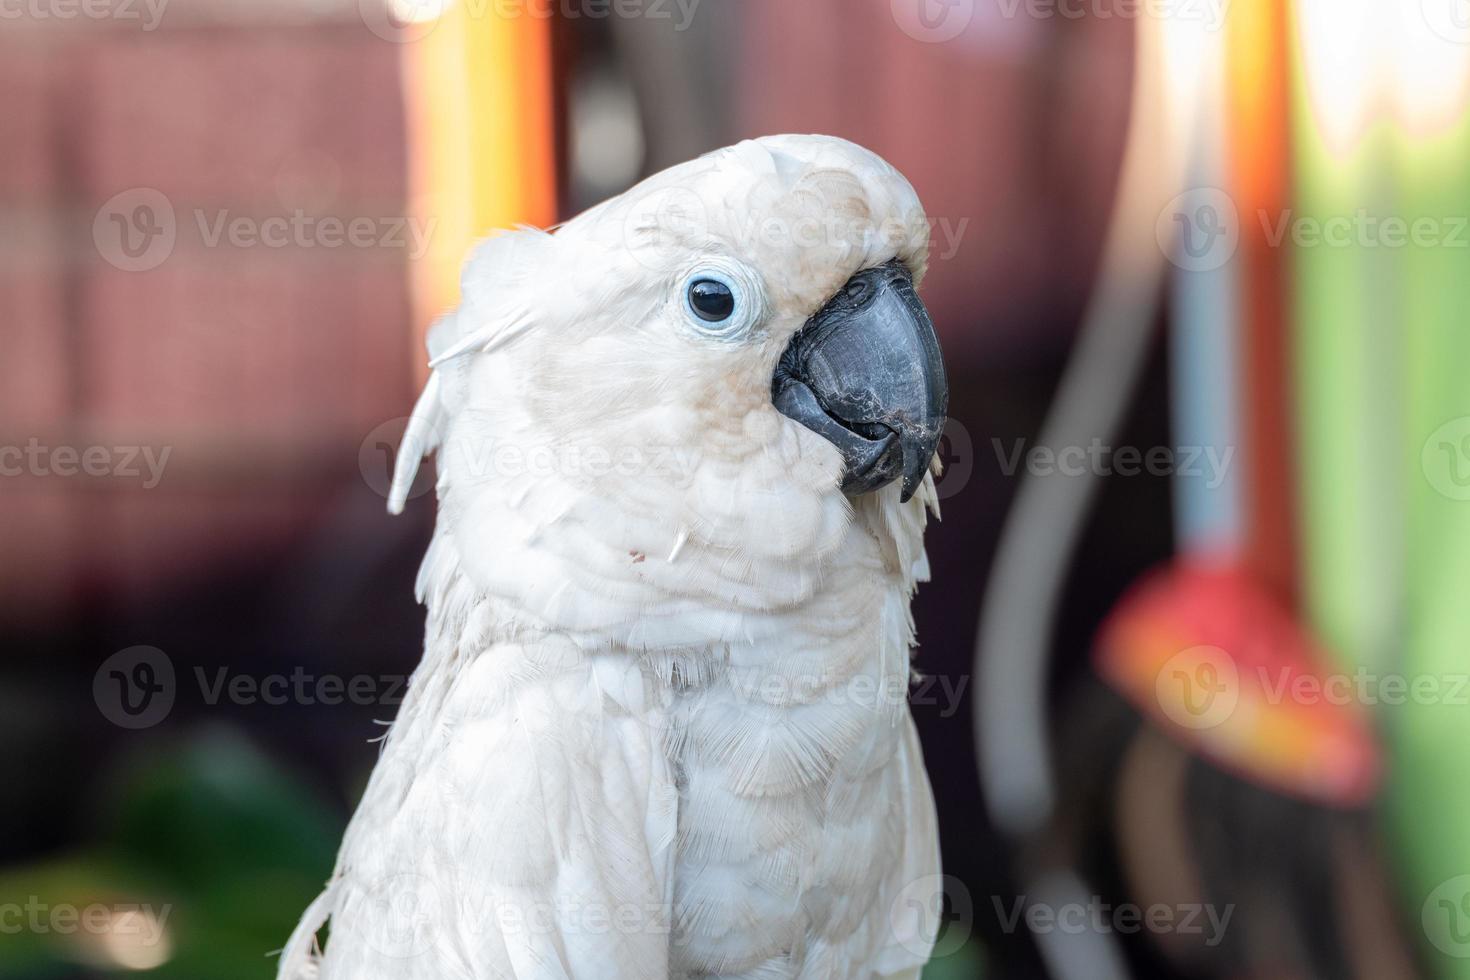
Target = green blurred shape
(1383,352)
(1430,791)
(965,963)
(217,803)
(1347,346)
(221,842)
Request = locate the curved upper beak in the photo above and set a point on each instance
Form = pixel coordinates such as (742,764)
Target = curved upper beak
(866,373)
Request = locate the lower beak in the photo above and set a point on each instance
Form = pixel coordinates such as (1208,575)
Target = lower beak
(866,374)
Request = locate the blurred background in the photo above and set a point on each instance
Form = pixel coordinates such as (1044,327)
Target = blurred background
(1197,646)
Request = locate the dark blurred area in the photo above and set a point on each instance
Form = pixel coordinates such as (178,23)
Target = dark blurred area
(237,396)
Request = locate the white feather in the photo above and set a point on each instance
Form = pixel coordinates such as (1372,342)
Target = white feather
(420,438)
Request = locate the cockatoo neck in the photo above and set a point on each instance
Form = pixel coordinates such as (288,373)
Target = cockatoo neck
(649,547)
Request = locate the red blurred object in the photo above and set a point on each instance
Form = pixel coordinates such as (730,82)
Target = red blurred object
(1217,661)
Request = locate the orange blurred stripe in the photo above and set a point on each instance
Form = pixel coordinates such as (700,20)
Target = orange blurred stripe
(481,120)
(1258,157)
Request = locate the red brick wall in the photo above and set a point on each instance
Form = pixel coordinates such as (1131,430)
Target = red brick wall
(1010,127)
(260,369)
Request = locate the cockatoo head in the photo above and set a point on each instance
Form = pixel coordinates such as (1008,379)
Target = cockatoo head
(780,273)
(734,346)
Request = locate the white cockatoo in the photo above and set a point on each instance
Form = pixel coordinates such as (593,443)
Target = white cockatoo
(684,446)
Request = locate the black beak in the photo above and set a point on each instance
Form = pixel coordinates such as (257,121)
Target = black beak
(866,373)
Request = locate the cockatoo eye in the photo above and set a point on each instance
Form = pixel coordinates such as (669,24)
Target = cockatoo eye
(719,301)
(711,300)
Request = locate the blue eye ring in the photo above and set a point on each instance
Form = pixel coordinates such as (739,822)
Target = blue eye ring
(715,303)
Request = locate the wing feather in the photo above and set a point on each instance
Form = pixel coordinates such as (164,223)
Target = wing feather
(521,823)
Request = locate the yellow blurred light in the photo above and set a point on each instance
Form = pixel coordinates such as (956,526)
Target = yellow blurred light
(1366,59)
(1191,53)
(134,939)
(418,11)
(1433,67)
(478,90)
(1347,82)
